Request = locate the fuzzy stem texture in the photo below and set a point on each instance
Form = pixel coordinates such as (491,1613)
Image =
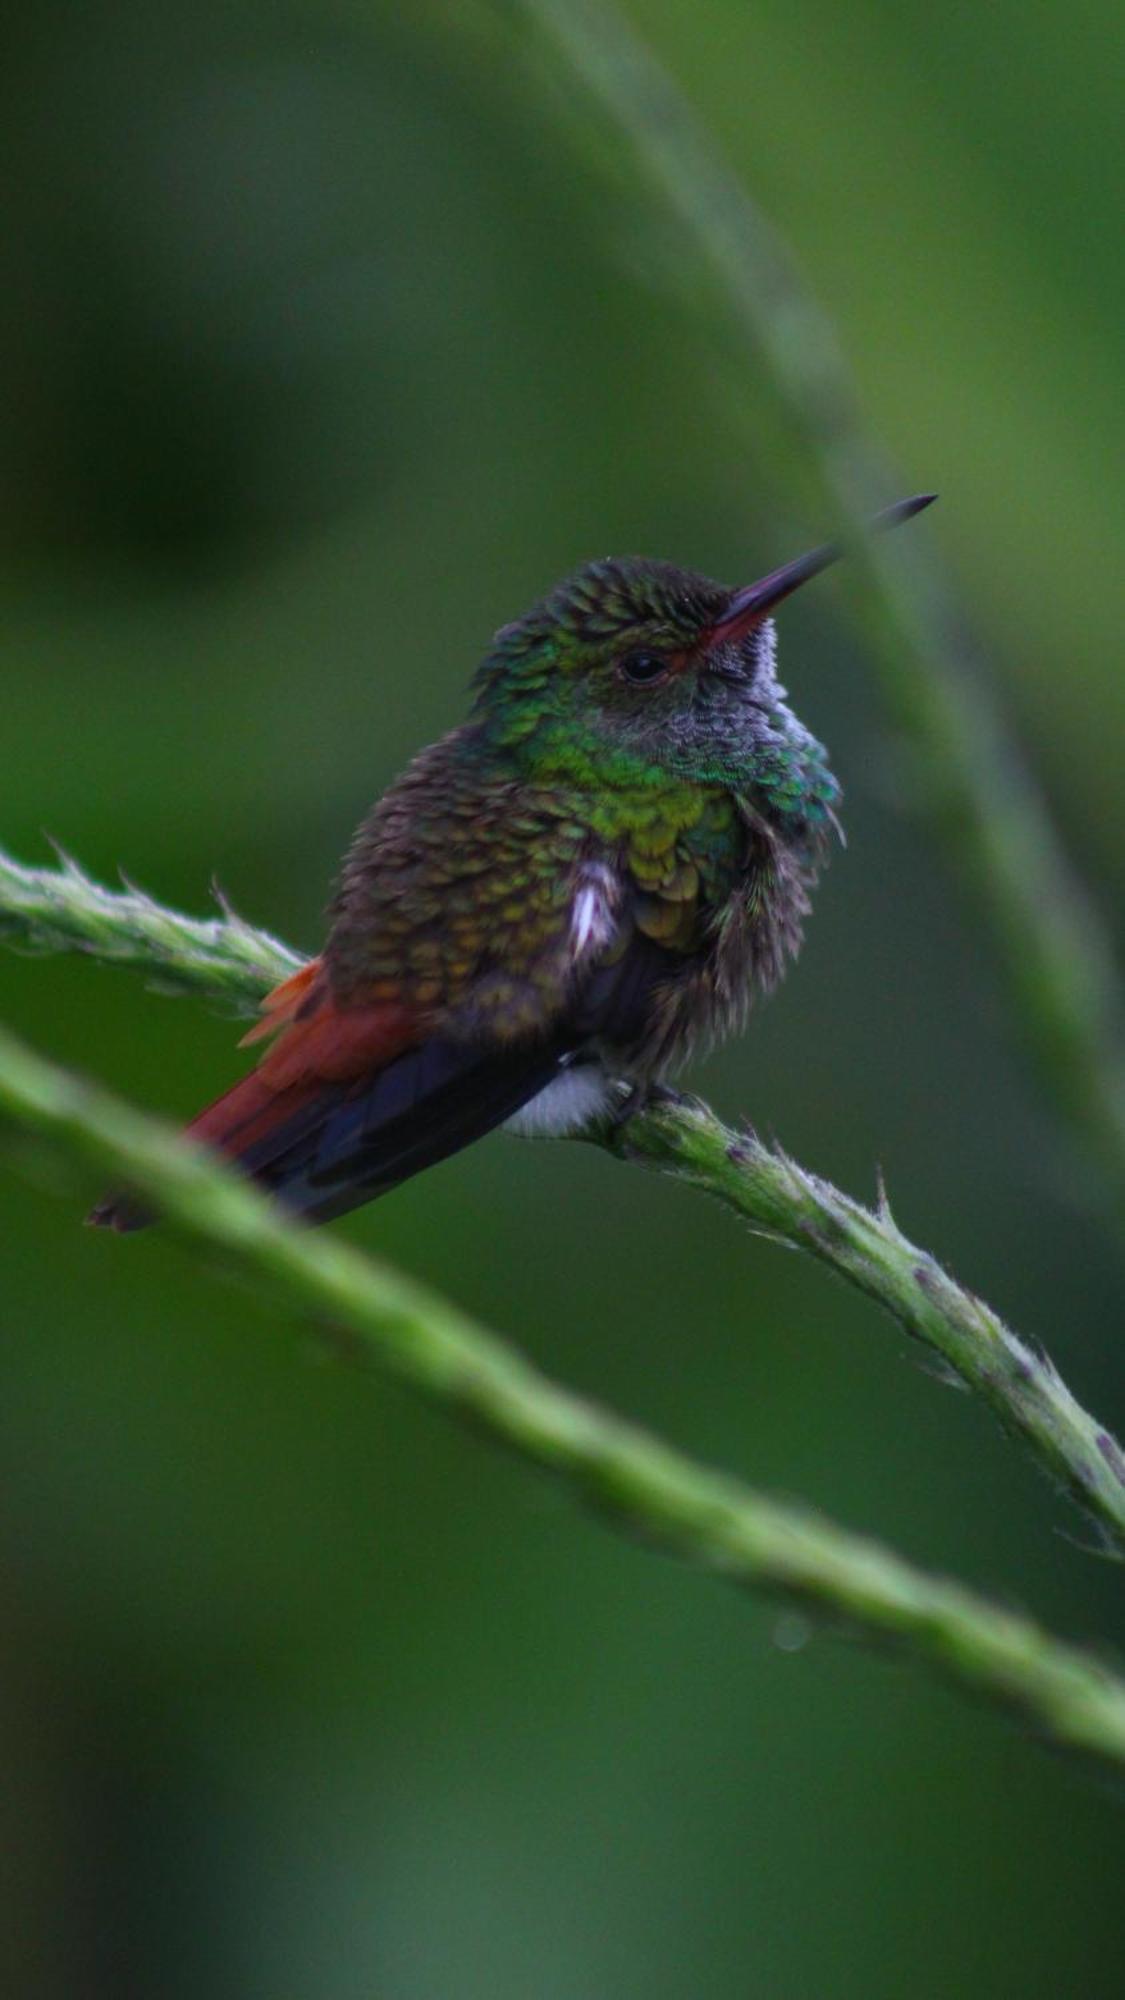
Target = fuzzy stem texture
(227,959)
(219,959)
(966,776)
(378,1316)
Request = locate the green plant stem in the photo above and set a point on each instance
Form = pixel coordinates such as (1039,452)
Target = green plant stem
(219,959)
(47,909)
(966,776)
(707,1519)
(1018,1380)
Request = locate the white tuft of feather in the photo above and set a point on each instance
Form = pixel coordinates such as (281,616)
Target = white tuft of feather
(570,1101)
(591,920)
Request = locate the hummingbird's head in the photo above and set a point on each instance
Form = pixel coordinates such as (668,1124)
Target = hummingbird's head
(633,670)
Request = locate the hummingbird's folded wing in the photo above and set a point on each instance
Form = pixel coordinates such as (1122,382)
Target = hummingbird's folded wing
(360,1141)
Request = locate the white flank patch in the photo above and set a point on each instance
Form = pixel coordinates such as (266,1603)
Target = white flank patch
(571,1100)
(591,920)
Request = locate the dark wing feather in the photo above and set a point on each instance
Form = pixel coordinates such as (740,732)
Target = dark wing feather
(367,1138)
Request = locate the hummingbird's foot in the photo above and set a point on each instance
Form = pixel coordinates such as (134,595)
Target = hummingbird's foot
(636,1097)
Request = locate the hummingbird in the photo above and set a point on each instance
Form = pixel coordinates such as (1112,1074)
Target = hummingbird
(556,902)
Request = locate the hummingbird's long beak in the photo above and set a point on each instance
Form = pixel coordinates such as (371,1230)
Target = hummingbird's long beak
(753,603)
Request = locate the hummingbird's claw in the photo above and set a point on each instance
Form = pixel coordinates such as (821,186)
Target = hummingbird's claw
(637,1097)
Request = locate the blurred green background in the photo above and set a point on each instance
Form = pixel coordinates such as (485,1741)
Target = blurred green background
(325,350)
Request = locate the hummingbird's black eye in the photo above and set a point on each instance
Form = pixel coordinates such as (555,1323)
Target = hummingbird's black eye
(641,668)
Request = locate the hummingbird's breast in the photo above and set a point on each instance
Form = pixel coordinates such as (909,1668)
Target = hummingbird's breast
(626,922)
(724,919)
